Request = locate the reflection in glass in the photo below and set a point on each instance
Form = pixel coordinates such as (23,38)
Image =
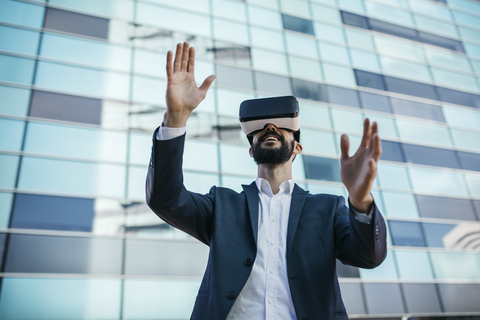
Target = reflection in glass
(6,200)
(445,208)
(14,101)
(420,269)
(392,176)
(421,297)
(18,40)
(22,13)
(267,39)
(400,204)
(320,142)
(383,298)
(430,156)
(268,61)
(12,133)
(456,265)
(234,77)
(265,18)
(417,109)
(77,23)
(436,181)
(228,129)
(297,24)
(416,131)
(223,30)
(8,170)
(15,69)
(301,45)
(305,68)
(317,168)
(405,233)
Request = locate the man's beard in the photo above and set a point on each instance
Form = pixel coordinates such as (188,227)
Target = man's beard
(272,155)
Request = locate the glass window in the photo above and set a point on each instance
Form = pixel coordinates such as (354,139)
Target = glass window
(148,90)
(352,5)
(459,297)
(136,183)
(200,155)
(271,83)
(440,182)
(391,176)
(8,170)
(430,8)
(235,159)
(326,13)
(152,63)
(401,49)
(456,265)
(394,15)
(12,133)
(469,34)
(15,69)
(400,204)
(422,132)
(6,200)
(305,68)
(232,53)
(81,143)
(386,125)
(355,20)
(234,77)
(447,59)
(297,24)
(223,30)
(265,18)
(451,236)
(65,107)
(417,109)
(14,101)
(386,270)
(433,25)
(360,39)
(26,298)
(466,19)
(76,23)
(18,40)
(405,69)
(269,61)
(346,271)
(472,50)
(200,182)
(394,30)
(421,297)
(229,101)
(338,74)
(300,45)
(298,170)
(455,80)
(317,168)
(343,96)
(473,183)
(406,233)
(352,297)
(348,121)
(22,13)
(328,32)
(371,101)
(317,188)
(56,176)
(469,161)
(295,7)
(235,183)
(267,39)
(332,53)
(430,156)
(445,208)
(364,60)
(114,8)
(465,5)
(458,97)
(392,151)
(420,270)
(466,140)
(383,298)
(309,90)
(315,116)
(159,299)
(55,254)
(230,10)
(369,79)
(460,117)
(314,141)
(441,42)
(202,6)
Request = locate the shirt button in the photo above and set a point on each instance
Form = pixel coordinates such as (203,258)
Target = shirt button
(270,301)
(273,243)
(273,220)
(271,271)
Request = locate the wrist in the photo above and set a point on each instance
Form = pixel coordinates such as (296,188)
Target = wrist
(362,206)
(175,120)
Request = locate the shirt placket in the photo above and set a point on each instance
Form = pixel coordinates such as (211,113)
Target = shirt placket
(272,257)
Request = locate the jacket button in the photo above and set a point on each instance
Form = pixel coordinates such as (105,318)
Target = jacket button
(248,262)
(231,295)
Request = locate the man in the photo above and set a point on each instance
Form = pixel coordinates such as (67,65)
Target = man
(273,246)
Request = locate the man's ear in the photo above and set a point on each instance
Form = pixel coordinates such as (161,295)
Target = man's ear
(298,148)
(250,152)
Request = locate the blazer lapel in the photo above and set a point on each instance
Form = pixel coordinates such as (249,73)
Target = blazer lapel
(253,200)
(298,200)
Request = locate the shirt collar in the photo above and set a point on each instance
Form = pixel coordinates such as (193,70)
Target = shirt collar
(263,186)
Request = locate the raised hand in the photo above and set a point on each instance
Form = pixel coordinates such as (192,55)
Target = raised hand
(183,95)
(357,172)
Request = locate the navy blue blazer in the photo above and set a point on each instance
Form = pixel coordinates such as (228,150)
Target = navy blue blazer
(320,229)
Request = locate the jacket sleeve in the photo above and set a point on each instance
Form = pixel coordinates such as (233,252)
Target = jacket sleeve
(359,244)
(167,196)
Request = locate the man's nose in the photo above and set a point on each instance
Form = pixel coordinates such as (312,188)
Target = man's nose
(270,127)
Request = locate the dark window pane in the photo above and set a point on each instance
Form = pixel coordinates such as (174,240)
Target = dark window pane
(54,254)
(297,24)
(460,297)
(65,107)
(321,168)
(435,234)
(355,20)
(393,29)
(417,109)
(235,54)
(353,298)
(430,156)
(469,161)
(406,233)
(372,101)
(476,204)
(33,211)
(445,208)
(148,257)
(343,96)
(76,23)
(421,298)
(458,97)
(234,77)
(392,151)
(411,88)
(442,42)
(3,239)
(383,298)
(308,90)
(369,79)
(271,83)
(346,271)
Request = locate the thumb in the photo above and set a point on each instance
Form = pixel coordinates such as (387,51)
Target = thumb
(207,83)
(344,147)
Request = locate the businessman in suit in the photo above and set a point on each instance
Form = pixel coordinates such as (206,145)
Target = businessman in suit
(273,246)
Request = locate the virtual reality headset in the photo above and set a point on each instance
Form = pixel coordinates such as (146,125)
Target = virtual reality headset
(283,112)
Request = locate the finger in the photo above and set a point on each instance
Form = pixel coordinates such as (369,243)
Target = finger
(367,132)
(185,55)
(377,147)
(191,60)
(344,147)
(207,83)
(178,58)
(374,130)
(169,63)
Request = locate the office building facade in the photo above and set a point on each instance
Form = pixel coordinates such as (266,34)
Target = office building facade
(82,87)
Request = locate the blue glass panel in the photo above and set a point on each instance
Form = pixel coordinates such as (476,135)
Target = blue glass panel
(419,270)
(15,69)
(421,297)
(297,24)
(21,13)
(435,234)
(442,42)
(430,156)
(458,97)
(469,161)
(343,96)
(321,168)
(60,299)
(372,101)
(383,298)
(76,23)
(394,30)
(56,254)
(460,297)
(368,79)
(19,40)
(405,233)
(445,208)
(308,90)
(411,88)
(53,213)
(472,50)
(8,170)
(6,200)
(355,20)
(392,151)
(3,238)
(456,265)
(417,109)
(121,9)
(11,132)
(14,101)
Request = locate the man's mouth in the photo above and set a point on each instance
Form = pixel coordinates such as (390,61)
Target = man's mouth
(271,138)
